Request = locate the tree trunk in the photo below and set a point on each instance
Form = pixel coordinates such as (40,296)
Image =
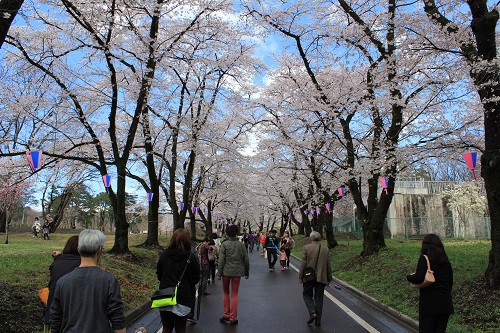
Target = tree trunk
(119,208)
(490,171)
(152,238)
(8,11)
(192,219)
(330,236)
(60,209)
(3,220)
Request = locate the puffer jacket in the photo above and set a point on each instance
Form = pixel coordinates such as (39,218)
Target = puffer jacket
(233,259)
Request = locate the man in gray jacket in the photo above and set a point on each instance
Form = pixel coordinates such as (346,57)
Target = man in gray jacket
(318,257)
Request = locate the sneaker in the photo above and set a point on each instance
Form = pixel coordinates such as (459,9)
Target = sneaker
(282,268)
(233,322)
(192,320)
(224,319)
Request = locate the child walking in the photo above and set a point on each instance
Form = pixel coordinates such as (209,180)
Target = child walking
(283,258)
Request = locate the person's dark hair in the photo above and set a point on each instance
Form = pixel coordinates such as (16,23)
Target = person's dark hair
(71,246)
(181,240)
(214,236)
(434,248)
(273,231)
(232,230)
(205,239)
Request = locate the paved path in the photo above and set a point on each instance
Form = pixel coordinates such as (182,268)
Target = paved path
(271,302)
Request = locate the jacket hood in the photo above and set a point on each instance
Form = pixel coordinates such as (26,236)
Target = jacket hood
(177,255)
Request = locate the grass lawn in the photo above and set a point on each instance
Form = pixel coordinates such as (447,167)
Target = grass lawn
(25,270)
(383,276)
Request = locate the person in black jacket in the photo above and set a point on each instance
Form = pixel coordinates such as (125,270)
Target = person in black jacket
(169,270)
(435,303)
(64,262)
(271,246)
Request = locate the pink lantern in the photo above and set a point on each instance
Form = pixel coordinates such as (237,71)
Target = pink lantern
(383,181)
(106,179)
(470,159)
(34,158)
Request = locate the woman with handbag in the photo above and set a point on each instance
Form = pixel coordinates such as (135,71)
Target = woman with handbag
(435,302)
(178,266)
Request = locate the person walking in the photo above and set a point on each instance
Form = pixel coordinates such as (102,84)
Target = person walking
(289,244)
(318,257)
(46,230)
(262,241)
(282,256)
(233,264)
(88,299)
(205,265)
(271,245)
(169,269)
(64,263)
(213,256)
(251,241)
(435,301)
(37,226)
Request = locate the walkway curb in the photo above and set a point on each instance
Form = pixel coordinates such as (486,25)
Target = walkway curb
(384,307)
(133,314)
(393,312)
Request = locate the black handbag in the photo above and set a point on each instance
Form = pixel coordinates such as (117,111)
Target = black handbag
(309,273)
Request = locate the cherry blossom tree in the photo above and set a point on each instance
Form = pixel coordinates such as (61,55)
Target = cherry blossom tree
(383,103)
(466,201)
(472,35)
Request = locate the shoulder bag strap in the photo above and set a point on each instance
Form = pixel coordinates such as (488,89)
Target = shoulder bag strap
(428,263)
(184,271)
(317,258)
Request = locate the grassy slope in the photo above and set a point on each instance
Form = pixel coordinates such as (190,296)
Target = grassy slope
(383,276)
(24,269)
(25,261)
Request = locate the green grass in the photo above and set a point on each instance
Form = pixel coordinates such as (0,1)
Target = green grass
(25,270)
(383,276)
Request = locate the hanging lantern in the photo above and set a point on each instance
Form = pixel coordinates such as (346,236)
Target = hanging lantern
(383,181)
(327,206)
(470,159)
(341,191)
(150,196)
(106,179)
(34,158)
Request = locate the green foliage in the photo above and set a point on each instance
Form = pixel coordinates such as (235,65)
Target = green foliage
(383,276)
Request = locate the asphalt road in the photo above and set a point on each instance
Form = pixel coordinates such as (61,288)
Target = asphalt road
(271,302)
